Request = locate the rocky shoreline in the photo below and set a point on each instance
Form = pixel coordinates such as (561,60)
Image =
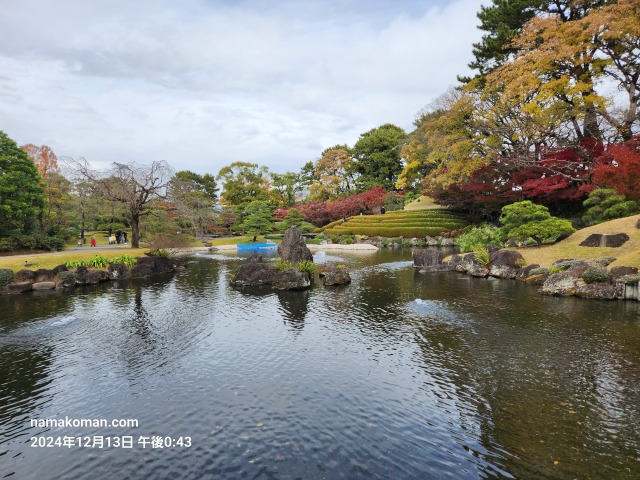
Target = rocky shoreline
(61,277)
(566,277)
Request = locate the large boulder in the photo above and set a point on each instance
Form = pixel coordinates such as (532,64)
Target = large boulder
(472,266)
(60,268)
(333,274)
(44,275)
(525,272)
(44,286)
(602,291)
(505,263)
(19,287)
(254,272)
(293,247)
(118,271)
(150,266)
(562,283)
(617,272)
(291,279)
(24,276)
(600,240)
(430,260)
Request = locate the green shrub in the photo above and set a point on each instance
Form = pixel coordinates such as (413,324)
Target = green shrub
(524,220)
(307,266)
(25,241)
(6,276)
(566,265)
(604,261)
(7,244)
(283,265)
(128,260)
(605,204)
(553,270)
(348,240)
(596,275)
(158,252)
(630,279)
(479,237)
(539,271)
(66,275)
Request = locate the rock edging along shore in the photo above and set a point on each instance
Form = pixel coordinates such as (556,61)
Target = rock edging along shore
(62,278)
(566,277)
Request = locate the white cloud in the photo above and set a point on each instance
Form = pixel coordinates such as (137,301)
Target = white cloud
(209,82)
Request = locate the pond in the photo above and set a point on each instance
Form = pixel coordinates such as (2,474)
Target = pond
(398,376)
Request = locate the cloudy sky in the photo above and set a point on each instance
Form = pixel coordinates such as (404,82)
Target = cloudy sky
(203,83)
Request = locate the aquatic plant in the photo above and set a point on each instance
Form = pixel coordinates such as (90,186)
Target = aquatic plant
(307,266)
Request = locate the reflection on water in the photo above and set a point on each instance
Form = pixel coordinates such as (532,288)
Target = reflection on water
(399,375)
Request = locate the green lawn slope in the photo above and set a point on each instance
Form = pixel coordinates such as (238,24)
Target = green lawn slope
(402,223)
(627,255)
(423,203)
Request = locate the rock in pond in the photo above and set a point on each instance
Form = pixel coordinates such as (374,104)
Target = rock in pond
(505,263)
(293,247)
(291,279)
(333,275)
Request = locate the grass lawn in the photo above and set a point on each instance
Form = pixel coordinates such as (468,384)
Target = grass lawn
(50,260)
(627,255)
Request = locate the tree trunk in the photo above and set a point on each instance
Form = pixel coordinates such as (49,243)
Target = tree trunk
(135,230)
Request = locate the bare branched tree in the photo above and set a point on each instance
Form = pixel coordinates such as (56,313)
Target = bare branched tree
(134,185)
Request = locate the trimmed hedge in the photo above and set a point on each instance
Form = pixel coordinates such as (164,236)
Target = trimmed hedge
(387,231)
(411,223)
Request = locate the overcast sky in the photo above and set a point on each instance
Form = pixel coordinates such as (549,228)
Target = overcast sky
(203,83)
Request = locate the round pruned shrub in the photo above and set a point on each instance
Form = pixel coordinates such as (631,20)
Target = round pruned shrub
(596,275)
(6,276)
(67,275)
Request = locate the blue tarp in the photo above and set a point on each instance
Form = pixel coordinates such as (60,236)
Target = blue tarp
(257,246)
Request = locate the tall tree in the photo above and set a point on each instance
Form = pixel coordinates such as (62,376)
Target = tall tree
(44,158)
(503,21)
(377,157)
(334,174)
(21,197)
(258,218)
(242,182)
(286,186)
(193,196)
(133,185)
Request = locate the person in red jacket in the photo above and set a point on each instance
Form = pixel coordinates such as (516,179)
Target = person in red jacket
(93,242)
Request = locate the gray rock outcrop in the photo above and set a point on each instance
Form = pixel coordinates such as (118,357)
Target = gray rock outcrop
(600,240)
(293,247)
(333,275)
(505,263)
(430,260)
(254,272)
(291,279)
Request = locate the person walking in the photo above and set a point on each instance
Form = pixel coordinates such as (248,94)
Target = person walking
(124,236)
(93,242)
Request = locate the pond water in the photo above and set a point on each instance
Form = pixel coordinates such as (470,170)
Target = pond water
(397,376)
